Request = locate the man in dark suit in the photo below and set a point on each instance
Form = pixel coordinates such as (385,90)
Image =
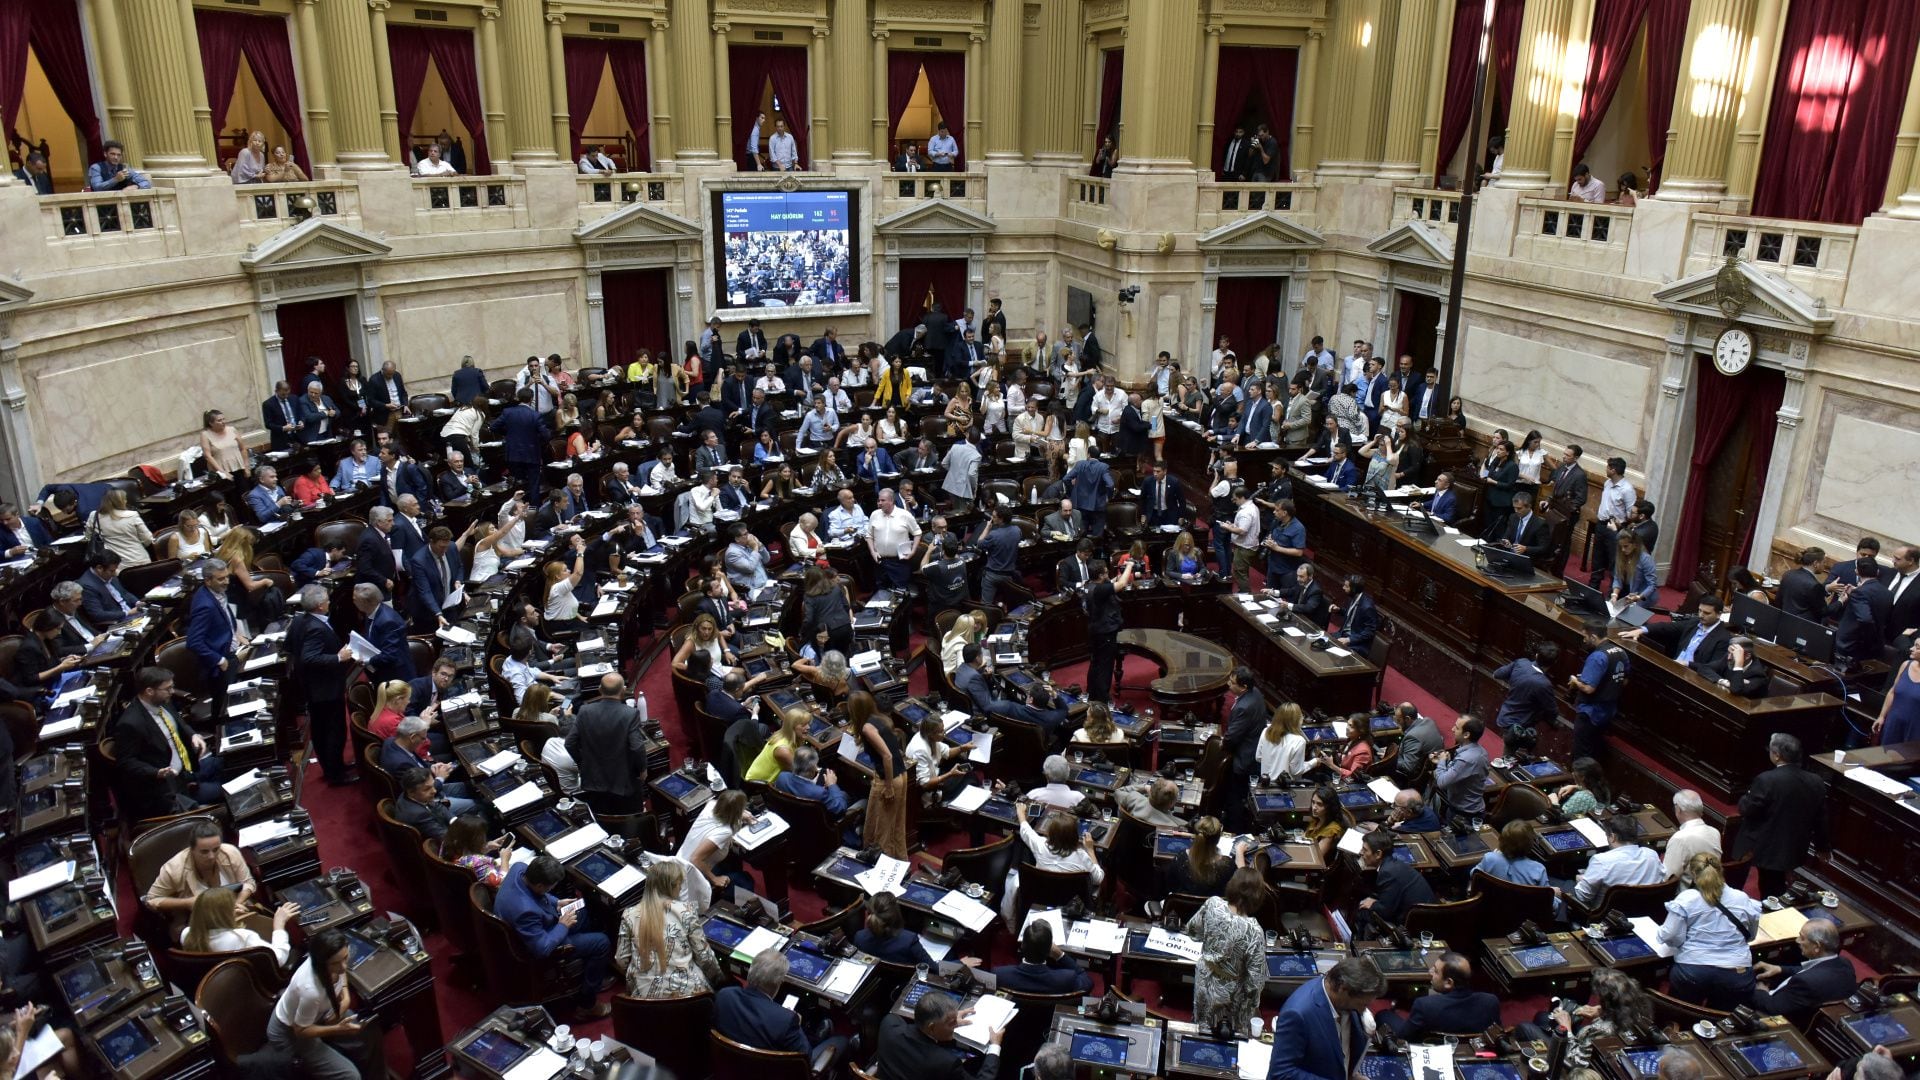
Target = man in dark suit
(1568,491)
(1359,619)
(281,415)
(1076,570)
(373,558)
(829,356)
(724,703)
(320,564)
(1737,670)
(996,320)
(752,1015)
(1849,571)
(103,600)
(751,343)
(971,681)
(939,335)
(1162,499)
(1308,601)
(1397,887)
(386,396)
(1066,521)
(400,477)
(1319,1034)
(734,390)
(1782,813)
(801,378)
(1131,438)
(1866,614)
(210,634)
(923,1048)
(1044,968)
(469,382)
(164,764)
(316,672)
(1522,532)
(435,571)
(1905,587)
(387,632)
(1801,593)
(525,436)
(963,355)
(525,902)
(611,749)
(20,533)
(1256,419)
(1691,640)
(1424,398)
(1091,355)
(1239,156)
(1245,721)
(1453,1007)
(1823,976)
(457,480)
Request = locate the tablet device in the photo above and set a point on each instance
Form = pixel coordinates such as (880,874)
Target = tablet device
(1878,1029)
(1095,1048)
(546,824)
(919,892)
(1538,957)
(120,1045)
(1568,840)
(359,950)
(677,785)
(495,1051)
(1209,1054)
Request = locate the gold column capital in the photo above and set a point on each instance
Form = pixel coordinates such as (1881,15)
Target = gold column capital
(556,18)
(881,33)
(821,31)
(722,27)
(658,26)
(491,14)
(976,38)
(1215,30)
(374,5)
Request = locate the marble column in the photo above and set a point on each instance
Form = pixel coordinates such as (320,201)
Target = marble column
(1302,159)
(164,87)
(1440,41)
(1006,34)
(1539,75)
(494,108)
(1706,105)
(1572,85)
(313,80)
(851,49)
(1055,75)
(1901,194)
(881,139)
(820,102)
(1766,521)
(1761,60)
(1209,95)
(1343,79)
(1411,83)
(529,92)
(390,133)
(110,53)
(1160,87)
(976,95)
(346,31)
(557,83)
(659,79)
(196,74)
(722,108)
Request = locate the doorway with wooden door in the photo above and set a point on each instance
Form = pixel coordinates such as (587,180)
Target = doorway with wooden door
(1734,427)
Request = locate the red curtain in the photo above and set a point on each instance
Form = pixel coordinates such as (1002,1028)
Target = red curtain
(1456,111)
(1666,38)
(1616,23)
(225,37)
(1837,98)
(947,79)
(1506,54)
(62,51)
(1247,310)
(1768,389)
(634,305)
(947,278)
(452,54)
(313,328)
(903,73)
(586,60)
(15,27)
(1250,75)
(629,60)
(749,68)
(1721,403)
(1113,67)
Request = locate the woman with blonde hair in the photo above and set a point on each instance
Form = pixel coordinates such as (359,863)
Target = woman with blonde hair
(966,630)
(1282,751)
(1708,926)
(215,927)
(122,530)
(255,595)
(776,755)
(1098,726)
(563,607)
(190,538)
(1185,556)
(706,637)
(538,713)
(661,950)
(708,848)
(390,700)
(251,161)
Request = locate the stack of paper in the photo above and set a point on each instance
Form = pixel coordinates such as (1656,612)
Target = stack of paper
(457,635)
(990,1014)
(525,795)
(84,693)
(1649,931)
(1097,935)
(1873,778)
(242,782)
(953,718)
(498,762)
(1590,829)
(246,708)
(971,798)
(573,843)
(262,831)
(589,644)
(965,910)
(1256,1058)
(759,941)
(845,977)
(57,728)
(608,605)
(1174,943)
(621,881)
(887,875)
(980,750)
(1782,925)
(1383,789)
(40,880)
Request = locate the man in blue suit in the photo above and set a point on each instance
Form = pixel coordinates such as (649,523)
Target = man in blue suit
(1360,619)
(435,572)
(387,631)
(210,634)
(267,499)
(1373,385)
(525,902)
(281,415)
(400,477)
(1443,505)
(469,382)
(103,600)
(20,533)
(319,417)
(316,561)
(1162,499)
(1088,485)
(1452,1008)
(525,436)
(1318,1034)
(1341,469)
(752,1015)
(1822,978)
(1043,968)
(873,462)
(806,780)
(970,680)
(1256,420)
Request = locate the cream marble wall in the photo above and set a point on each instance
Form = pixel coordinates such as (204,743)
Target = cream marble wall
(501,325)
(1864,467)
(1522,383)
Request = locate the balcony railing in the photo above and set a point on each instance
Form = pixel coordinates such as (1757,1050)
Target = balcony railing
(1087,199)
(961,187)
(457,205)
(272,207)
(1439,208)
(97,227)
(1224,203)
(619,189)
(1589,236)
(1812,254)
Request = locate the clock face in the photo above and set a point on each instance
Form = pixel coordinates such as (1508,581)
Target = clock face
(1733,352)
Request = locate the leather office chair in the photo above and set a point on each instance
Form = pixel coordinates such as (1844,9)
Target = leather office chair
(237,1006)
(1051,888)
(1454,923)
(661,1027)
(513,974)
(1508,905)
(146,854)
(985,865)
(186,968)
(813,832)
(23,725)
(738,1061)
(187,679)
(1518,801)
(447,885)
(1630,900)
(403,843)
(1668,1009)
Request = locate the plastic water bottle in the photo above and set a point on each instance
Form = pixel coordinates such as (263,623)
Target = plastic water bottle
(640,704)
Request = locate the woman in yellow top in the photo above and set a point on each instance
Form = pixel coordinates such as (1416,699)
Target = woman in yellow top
(1327,820)
(641,370)
(894,387)
(777,755)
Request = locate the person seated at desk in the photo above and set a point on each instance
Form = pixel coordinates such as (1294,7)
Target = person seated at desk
(1588,792)
(1076,570)
(1097,726)
(939,763)
(267,499)
(1201,870)
(1691,640)
(1460,774)
(1397,887)
(1620,1005)
(1044,967)
(1359,755)
(1522,532)
(1738,672)
(884,934)
(392,706)
(1411,814)
(1443,503)
(314,1022)
(215,927)
(165,764)
(1359,619)
(1451,1007)
(1152,801)
(1065,522)
(1303,598)
(662,952)
(1041,708)
(1056,792)
(1708,927)
(1185,556)
(422,804)
(752,1015)
(923,1048)
(207,863)
(806,780)
(1059,846)
(1319,1030)
(1513,859)
(318,564)
(1823,976)
(1625,861)
(525,902)
(1341,470)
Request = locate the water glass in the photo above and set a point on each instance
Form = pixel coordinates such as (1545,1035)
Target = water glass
(1426,940)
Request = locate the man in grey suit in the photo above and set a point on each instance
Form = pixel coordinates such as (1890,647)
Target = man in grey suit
(1065,521)
(611,749)
(1420,739)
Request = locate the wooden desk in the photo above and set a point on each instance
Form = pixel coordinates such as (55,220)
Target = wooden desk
(1516,971)
(1287,668)
(1193,669)
(1841,1032)
(1875,857)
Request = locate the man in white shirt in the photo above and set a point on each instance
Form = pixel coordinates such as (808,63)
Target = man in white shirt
(1692,837)
(1354,368)
(1586,187)
(1616,505)
(1032,429)
(847,520)
(546,389)
(1056,793)
(782,150)
(1319,355)
(1108,402)
(1624,862)
(432,165)
(891,534)
(597,161)
(943,149)
(1223,358)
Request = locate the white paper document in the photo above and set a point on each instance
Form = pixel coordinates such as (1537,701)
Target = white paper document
(953,718)
(262,831)
(457,635)
(1293,631)
(242,782)
(39,1050)
(1877,780)
(1339,652)
(971,798)
(759,941)
(989,1014)
(1173,943)
(498,762)
(887,875)
(246,708)
(607,606)
(262,661)
(40,880)
(524,795)
(363,650)
(764,829)
(589,644)
(980,750)
(1649,931)
(540,1064)
(66,726)
(455,598)
(965,910)
(845,977)
(567,846)
(1350,841)
(1431,1059)
(1383,789)
(1590,829)
(621,881)
(84,693)
(1097,935)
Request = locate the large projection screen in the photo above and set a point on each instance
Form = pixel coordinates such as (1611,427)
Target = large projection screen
(786,252)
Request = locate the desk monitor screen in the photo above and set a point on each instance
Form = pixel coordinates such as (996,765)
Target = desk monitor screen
(1539,769)
(37,768)
(1171,844)
(677,785)
(82,984)
(997,808)
(913,995)
(1384,723)
(1320,733)
(913,714)
(1272,802)
(1808,639)
(501,782)
(1096,777)
(1566,840)
(1618,949)
(598,866)
(919,892)
(1878,1029)
(495,1051)
(847,868)
(1096,1048)
(1583,597)
(308,894)
(725,932)
(1769,1054)
(359,950)
(1358,797)
(1017,677)
(758,666)
(1378,1067)
(1641,1061)
(60,903)
(1209,1054)
(120,1045)
(546,824)
(784,699)
(1295,965)
(1538,957)
(807,966)
(1756,617)
(1466,845)
(1403,853)
(1399,961)
(39,802)
(31,857)
(1506,563)
(1492,1070)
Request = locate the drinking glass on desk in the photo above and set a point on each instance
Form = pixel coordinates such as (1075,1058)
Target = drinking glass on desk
(1426,940)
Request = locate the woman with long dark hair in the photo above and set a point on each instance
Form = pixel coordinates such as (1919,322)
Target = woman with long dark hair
(886,825)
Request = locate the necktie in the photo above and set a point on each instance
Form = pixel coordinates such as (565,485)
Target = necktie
(1160,496)
(1519,527)
(1901,586)
(181,756)
(446,579)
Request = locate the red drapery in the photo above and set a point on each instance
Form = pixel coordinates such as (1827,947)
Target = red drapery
(1506,54)
(452,54)
(313,328)
(53,30)
(1247,310)
(1616,23)
(1666,38)
(947,278)
(1721,403)
(15,27)
(1112,69)
(749,68)
(1463,54)
(225,37)
(1837,98)
(903,72)
(1249,74)
(947,79)
(1763,404)
(634,305)
(586,61)
(629,59)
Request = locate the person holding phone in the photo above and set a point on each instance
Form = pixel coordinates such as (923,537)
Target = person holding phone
(1738,671)
(315,1022)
